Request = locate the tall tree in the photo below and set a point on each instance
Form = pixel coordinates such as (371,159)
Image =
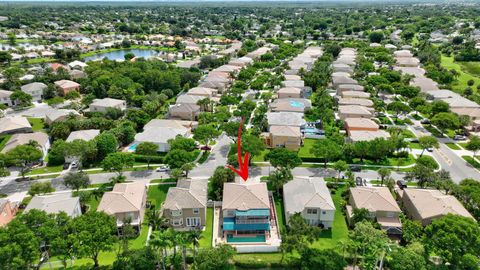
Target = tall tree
(327,150)
(95,233)
(205,133)
(117,162)
(23,156)
(473,144)
(148,149)
(427,142)
(283,158)
(76,180)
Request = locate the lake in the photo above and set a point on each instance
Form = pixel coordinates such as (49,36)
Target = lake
(120,54)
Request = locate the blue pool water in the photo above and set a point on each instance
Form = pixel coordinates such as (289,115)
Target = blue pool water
(132,147)
(256,239)
(296,104)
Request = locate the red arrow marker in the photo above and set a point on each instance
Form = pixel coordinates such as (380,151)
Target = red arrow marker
(242,163)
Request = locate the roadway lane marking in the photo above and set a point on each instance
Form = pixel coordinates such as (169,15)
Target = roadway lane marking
(447,160)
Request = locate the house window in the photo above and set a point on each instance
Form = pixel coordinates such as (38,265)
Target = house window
(312,211)
(177,222)
(324,212)
(176,213)
(196,210)
(193,221)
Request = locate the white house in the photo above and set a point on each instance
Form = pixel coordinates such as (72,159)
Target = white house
(102,105)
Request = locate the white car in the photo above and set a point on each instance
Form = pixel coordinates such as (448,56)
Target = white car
(162,169)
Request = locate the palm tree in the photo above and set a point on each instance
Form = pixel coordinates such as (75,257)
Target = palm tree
(195,236)
(161,242)
(384,173)
(204,104)
(155,219)
(183,240)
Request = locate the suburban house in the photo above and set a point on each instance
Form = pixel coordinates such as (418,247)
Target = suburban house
(24,138)
(380,204)
(86,135)
(426,205)
(352,124)
(289,92)
(15,124)
(338,80)
(102,105)
(355,101)
(293,84)
(5,98)
(367,135)
(184,111)
(289,137)
(185,206)
(66,86)
(126,202)
(77,65)
(246,212)
(204,92)
(188,99)
(7,211)
(349,87)
(285,119)
(354,94)
(59,115)
(56,203)
(160,131)
(311,198)
(291,105)
(353,111)
(35,90)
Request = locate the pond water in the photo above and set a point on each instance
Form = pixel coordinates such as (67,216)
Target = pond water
(120,54)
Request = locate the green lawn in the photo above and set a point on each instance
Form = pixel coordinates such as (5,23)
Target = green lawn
(463,144)
(163,180)
(47,169)
(37,124)
(204,157)
(157,194)
(339,231)
(414,145)
(3,140)
(408,133)
(305,149)
(207,234)
(472,68)
(261,157)
(391,161)
(435,132)
(461,83)
(280,212)
(93,203)
(472,161)
(453,146)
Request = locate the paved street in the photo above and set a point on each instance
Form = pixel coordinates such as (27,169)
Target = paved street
(459,169)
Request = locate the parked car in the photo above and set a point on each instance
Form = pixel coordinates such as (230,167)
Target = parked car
(402,184)
(425,121)
(74,165)
(355,168)
(430,149)
(163,168)
(459,137)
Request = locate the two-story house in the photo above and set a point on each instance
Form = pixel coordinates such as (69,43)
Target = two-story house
(7,211)
(246,213)
(311,198)
(127,202)
(185,205)
(380,204)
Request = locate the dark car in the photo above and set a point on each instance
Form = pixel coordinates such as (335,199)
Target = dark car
(425,121)
(402,184)
(355,168)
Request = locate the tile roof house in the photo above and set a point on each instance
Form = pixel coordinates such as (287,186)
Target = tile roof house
(425,84)
(426,205)
(56,203)
(311,198)
(354,94)
(355,101)
(188,99)
(353,111)
(367,135)
(102,105)
(336,81)
(35,90)
(349,87)
(293,84)
(289,137)
(8,211)
(66,86)
(407,61)
(246,212)
(185,205)
(125,201)
(289,92)
(352,124)
(15,124)
(160,131)
(285,119)
(5,98)
(24,138)
(203,92)
(380,204)
(290,105)
(59,115)
(86,135)
(184,111)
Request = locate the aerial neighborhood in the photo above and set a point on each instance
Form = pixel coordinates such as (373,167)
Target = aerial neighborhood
(249,135)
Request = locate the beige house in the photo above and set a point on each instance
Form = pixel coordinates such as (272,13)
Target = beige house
(102,105)
(185,205)
(16,124)
(289,137)
(184,111)
(66,86)
(352,124)
(355,101)
(289,92)
(380,204)
(24,138)
(204,92)
(426,205)
(5,98)
(310,197)
(353,111)
(127,201)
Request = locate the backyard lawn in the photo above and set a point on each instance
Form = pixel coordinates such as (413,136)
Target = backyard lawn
(305,149)
(157,194)
(261,157)
(37,124)
(461,83)
(47,169)
(206,239)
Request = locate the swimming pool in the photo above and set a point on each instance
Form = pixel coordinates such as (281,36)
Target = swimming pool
(132,147)
(252,239)
(296,104)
